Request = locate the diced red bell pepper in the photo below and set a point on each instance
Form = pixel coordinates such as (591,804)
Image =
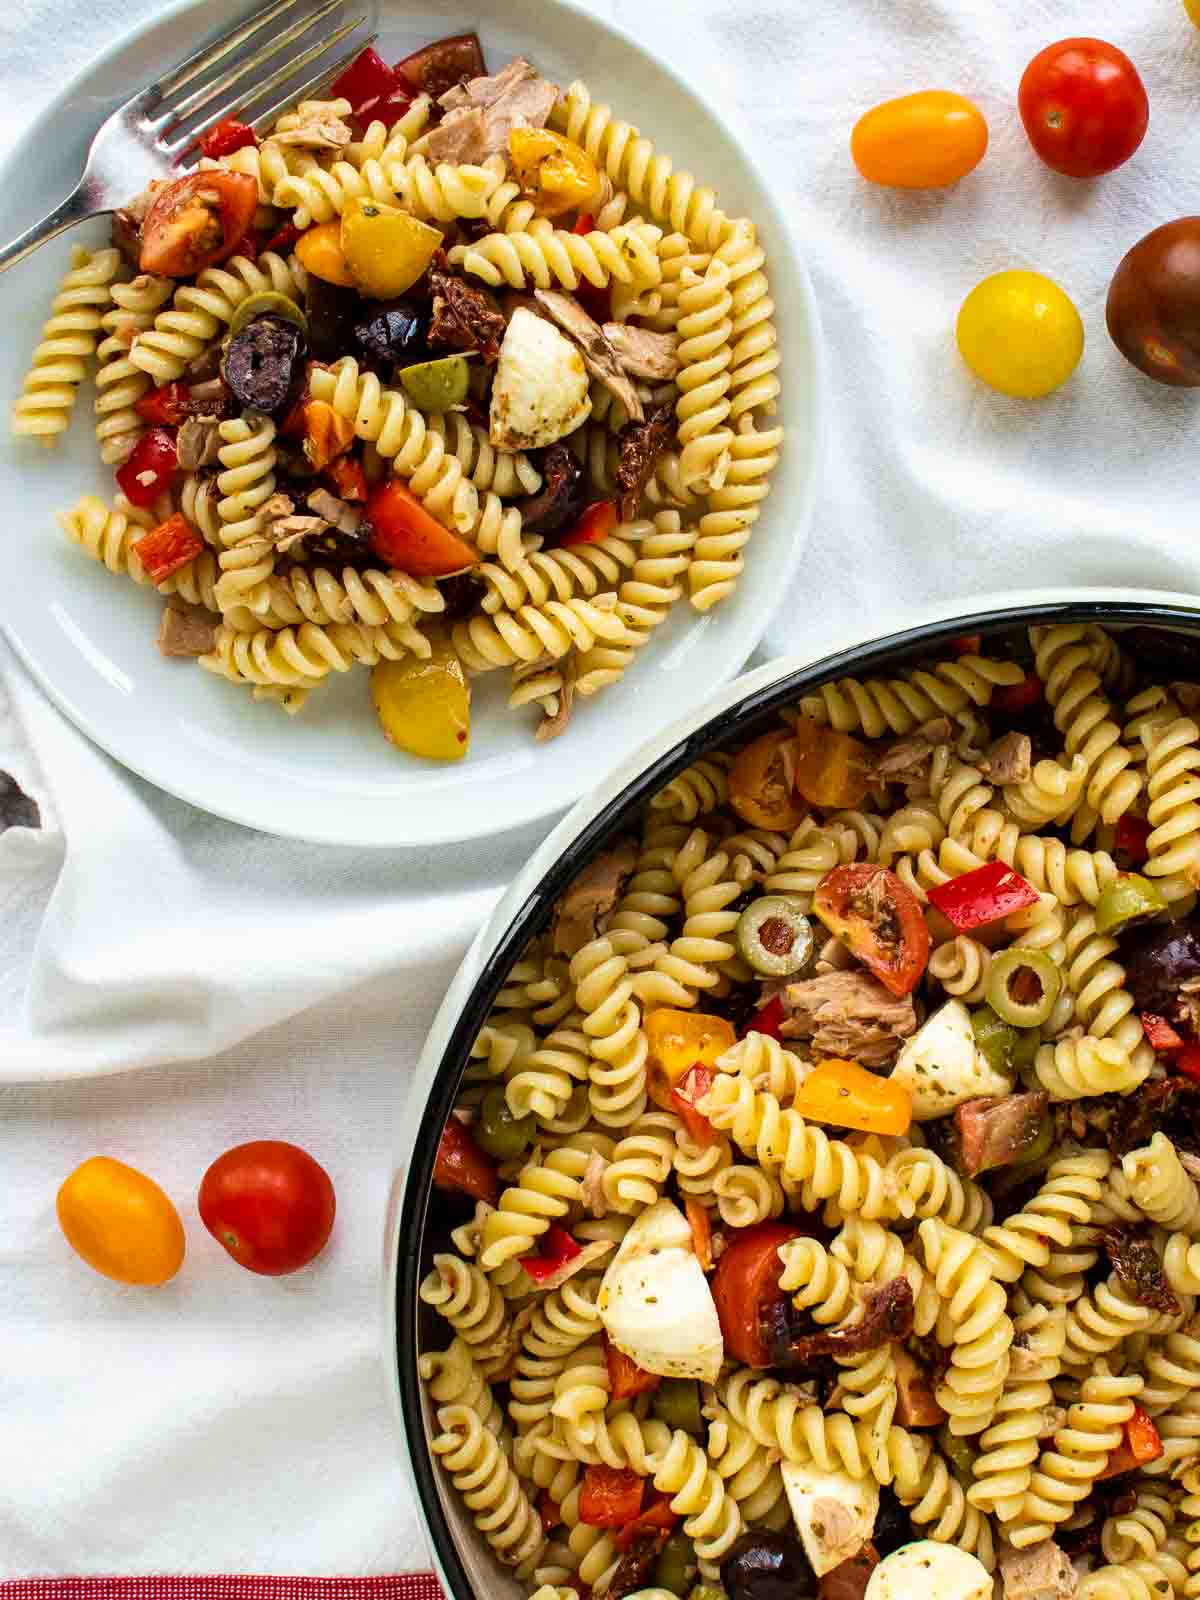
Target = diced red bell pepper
(555,1248)
(967,644)
(686,1096)
(1162,1036)
(657,1517)
(167,406)
(151,468)
(279,242)
(1188,1061)
(463,1166)
(1011,698)
(1132,833)
(625,1377)
(610,1497)
(226,137)
(595,524)
(550,1511)
(367,78)
(700,1223)
(769,1020)
(985,895)
(347,478)
(168,547)
(1140,1445)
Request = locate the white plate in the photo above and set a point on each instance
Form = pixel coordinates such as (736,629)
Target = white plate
(328,775)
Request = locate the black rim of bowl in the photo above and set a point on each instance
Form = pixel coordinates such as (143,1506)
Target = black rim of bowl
(738,722)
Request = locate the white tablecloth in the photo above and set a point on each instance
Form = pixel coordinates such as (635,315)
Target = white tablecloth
(228,1423)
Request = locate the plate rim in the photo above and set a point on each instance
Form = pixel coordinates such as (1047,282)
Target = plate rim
(363,830)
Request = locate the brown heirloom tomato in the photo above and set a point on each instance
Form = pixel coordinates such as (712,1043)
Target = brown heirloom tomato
(1154,304)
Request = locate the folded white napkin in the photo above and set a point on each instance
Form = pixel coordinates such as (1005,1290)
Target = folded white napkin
(229,1423)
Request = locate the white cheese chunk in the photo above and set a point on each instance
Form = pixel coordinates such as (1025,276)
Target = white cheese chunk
(942,1066)
(540,391)
(929,1571)
(833,1512)
(655,1302)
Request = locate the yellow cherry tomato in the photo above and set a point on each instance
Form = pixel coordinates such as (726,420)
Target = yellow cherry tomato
(554,171)
(679,1041)
(425,704)
(846,1095)
(920,141)
(386,249)
(1020,333)
(319,250)
(120,1222)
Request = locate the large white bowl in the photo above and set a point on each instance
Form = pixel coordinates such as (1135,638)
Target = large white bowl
(328,775)
(728,719)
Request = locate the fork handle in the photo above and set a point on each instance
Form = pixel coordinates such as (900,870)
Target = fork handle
(74,209)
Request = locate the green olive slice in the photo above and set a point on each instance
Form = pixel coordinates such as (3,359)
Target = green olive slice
(775,936)
(437,385)
(267,301)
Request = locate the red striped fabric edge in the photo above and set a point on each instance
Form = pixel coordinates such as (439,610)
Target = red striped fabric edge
(228,1586)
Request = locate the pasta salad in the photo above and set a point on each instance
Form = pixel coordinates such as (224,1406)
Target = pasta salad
(451,372)
(820,1205)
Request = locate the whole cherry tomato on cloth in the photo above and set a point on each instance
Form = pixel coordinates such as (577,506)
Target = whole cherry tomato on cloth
(1020,333)
(121,1222)
(270,1204)
(1153,309)
(1084,107)
(920,141)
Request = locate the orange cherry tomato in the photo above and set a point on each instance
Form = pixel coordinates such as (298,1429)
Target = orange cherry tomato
(120,1222)
(920,141)
(760,784)
(846,1095)
(404,535)
(679,1041)
(829,769)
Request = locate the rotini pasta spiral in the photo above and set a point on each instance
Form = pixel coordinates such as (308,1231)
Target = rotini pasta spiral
(1026,1239)
(316,594)
(1099,1321)
(751,1477)
(704,355)
(200,310)
(962,965)
(460,1293)
(925,1186)
(452,1378)
(1009,1447)
(1173,789)
(489,1487)
(732,510)
(974,1323)
(641,1162)
(702,787)
(545,256)
(119,384)
(712,1518)
(1077,1455)
(1161,1188)
(543,1193)
(301,657)
(1074,1068)
(67,344)
(898,705)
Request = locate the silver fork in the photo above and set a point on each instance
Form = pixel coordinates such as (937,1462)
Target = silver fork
(157,132)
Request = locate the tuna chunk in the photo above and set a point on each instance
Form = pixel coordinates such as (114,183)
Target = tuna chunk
(584,910)
(599,357)
(849,1014)
(1040,1572)
(643,353)
(995,1133)
(482,113)
(186,633)
(1010,759)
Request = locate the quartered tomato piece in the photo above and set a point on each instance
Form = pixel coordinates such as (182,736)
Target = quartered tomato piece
(197,222)
(347,478)
(745,1283)
(760,784)
(879,920)
(679,1041)
(404,535)
(439,66)
(462,1165)
(595,524)
(685,1099)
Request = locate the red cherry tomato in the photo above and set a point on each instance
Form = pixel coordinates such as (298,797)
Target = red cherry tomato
(270,1204)
(437,67)
(227,137)
(404,535)
(595,523)
(745,1283)
(151,469)
(187,229)
(1084,107)
(879,920)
